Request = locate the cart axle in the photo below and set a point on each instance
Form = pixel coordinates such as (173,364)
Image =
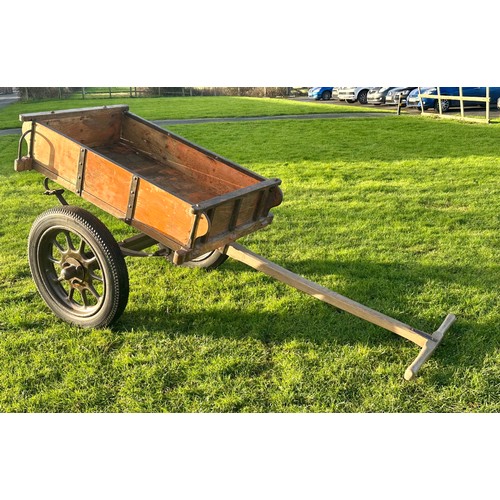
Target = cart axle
(427,342)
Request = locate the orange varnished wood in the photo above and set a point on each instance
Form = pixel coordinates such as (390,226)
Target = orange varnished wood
(196,164)
(163,175)
(107,181)
(56,153)
(166,213)
(152,179)
(91,129)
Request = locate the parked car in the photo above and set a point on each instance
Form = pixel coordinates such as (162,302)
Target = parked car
(353,94)
(320,93)
(413,101)
(393,95)
(377,95)
(446,104)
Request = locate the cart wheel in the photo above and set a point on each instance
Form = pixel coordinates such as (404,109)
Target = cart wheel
(208,261)
(78,267)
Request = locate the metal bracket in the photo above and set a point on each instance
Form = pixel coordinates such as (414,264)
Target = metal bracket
(58,193)
(24,162)
(134,246)
(134,184)
(81,171)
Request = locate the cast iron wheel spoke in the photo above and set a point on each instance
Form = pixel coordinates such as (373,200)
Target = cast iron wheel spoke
(81,247)
(58,246)
(71,294)
(83,293)
(96,278)
(67,235)
(54,260)
(93,291)
(89,262)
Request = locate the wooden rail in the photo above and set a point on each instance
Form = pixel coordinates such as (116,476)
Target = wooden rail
(461,98)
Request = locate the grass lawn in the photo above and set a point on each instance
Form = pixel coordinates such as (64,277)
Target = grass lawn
(182,107)
(399,213)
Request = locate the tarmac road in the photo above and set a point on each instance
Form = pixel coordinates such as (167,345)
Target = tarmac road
(6,99)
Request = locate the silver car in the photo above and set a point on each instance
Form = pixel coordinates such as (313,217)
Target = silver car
(377,95)
(394,94)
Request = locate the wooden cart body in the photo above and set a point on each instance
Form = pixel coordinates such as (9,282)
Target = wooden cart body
(178,193)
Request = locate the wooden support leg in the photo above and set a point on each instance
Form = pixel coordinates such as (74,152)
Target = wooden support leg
(429,347)
(427,342)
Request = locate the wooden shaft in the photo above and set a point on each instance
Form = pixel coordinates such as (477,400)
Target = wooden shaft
(429,347)
(242,254)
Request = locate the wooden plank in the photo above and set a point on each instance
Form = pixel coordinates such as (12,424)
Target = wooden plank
(163,176)
(77,112)
(319,292)
(166,213)
(107,181)
(92,128)
(456,97)
(201,165)
(55,153)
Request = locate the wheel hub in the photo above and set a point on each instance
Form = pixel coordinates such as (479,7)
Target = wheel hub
(72,271)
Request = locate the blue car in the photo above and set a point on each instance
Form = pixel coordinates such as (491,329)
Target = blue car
(413,101)
(320,93)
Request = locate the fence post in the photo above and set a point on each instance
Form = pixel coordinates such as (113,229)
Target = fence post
(83,92)
(421,103)
(400,100)
(487,105)
(461,94)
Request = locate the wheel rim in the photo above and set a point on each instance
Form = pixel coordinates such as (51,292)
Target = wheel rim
(71,271)
(203,257)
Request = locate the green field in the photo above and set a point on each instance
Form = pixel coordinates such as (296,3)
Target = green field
(183,107)
(398,213)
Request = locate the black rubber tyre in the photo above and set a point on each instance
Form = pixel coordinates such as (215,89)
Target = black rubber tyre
(208,261)
(445,105)
(363,97)
(326,95)
(78,267)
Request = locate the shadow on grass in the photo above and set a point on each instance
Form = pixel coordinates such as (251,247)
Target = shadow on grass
(388,288)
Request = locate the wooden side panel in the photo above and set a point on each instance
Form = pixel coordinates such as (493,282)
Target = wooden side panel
(166,148)
(55,153)
(166,213)
(92,128)
(107,181)
(247,208)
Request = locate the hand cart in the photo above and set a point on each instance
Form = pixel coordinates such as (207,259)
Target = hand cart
(186,201)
